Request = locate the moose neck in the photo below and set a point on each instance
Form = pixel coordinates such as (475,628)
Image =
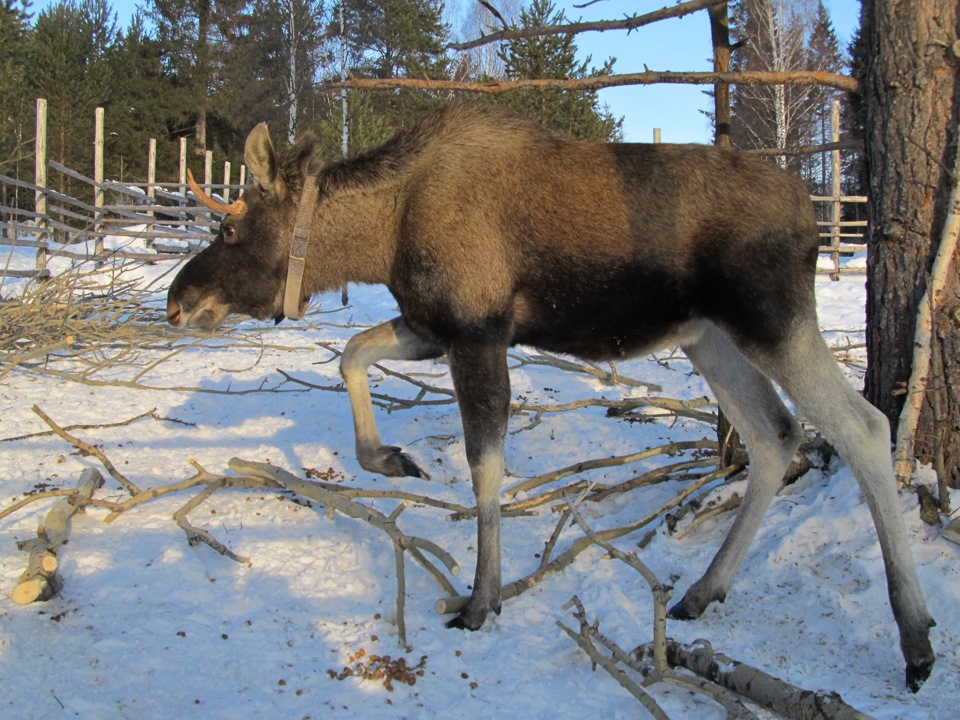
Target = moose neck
(354,237)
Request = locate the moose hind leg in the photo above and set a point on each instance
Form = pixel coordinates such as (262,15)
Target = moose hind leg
(772,436)
(391,340)
(861,435)
(483,390)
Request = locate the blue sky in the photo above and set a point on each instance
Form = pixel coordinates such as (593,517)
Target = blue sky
(679,44)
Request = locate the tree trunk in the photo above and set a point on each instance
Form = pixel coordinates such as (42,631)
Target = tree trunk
(912,97)
(720,35)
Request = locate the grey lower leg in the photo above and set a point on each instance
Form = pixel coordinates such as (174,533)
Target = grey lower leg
(391,340)
(772,436)
(861,435)
(483,391)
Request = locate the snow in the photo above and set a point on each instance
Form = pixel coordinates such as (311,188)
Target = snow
(150,627)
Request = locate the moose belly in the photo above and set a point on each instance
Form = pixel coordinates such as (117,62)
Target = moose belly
(601,328)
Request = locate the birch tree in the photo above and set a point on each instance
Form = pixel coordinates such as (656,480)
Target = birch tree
(281,49)
(774,34)
(485,61)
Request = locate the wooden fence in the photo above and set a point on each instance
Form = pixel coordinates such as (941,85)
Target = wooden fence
(163,214)
(171,222)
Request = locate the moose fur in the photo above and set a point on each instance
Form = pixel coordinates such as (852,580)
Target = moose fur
(491,232)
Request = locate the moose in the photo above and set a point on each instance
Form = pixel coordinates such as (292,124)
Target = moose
(490,231)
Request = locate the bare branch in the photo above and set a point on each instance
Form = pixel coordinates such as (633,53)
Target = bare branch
(630,23)
(198,535)
(89,450)
(616,672)
(495,13)
(141,416)
(598,82)
(614,461)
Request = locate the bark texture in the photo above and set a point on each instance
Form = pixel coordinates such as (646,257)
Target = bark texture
(912,95)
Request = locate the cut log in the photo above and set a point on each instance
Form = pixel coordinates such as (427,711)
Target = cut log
(755,685)
(40,581)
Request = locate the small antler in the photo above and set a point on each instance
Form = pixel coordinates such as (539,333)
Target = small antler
(238,207)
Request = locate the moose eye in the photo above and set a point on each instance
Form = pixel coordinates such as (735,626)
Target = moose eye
(229,234)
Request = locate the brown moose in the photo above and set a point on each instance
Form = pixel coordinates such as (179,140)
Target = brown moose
(490,232)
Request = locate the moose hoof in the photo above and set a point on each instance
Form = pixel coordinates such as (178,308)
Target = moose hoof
(917,674)
(681,611)
(692,605)
(461,623)
(390,461)
(471,619)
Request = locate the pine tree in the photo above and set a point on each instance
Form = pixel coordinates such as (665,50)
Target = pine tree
(575,115)
(197,43)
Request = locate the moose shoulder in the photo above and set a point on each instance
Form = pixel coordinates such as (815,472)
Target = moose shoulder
(490,232)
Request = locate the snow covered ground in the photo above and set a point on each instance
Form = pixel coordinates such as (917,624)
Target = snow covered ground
(150,627)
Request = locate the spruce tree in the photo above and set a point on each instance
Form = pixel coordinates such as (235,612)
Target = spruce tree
(16,102)
(854,119)
(69,66)
(143,100)
(386,39)
(576,115)
(824,55)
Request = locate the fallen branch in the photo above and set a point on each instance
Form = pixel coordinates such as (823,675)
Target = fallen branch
(582,639)
(609,377)
(197,535)
(449,605)
(40,581)
(661,593)
(334,501)
(150,413)
(88,450)
(731,503)
(756,685)
(590,632)
(670,449)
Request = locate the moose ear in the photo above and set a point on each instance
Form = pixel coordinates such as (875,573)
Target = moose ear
(260,157)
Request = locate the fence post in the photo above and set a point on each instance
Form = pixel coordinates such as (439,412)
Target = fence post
(182,177)
(151,181)
(40,179)
(243,176)
(98,224)
(835,185)
(656,135)
(226,181)
(208,170)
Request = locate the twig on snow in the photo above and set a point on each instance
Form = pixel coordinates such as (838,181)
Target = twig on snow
(89,450)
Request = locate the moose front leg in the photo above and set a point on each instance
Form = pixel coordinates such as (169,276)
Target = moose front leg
(483,390)
(391,340)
